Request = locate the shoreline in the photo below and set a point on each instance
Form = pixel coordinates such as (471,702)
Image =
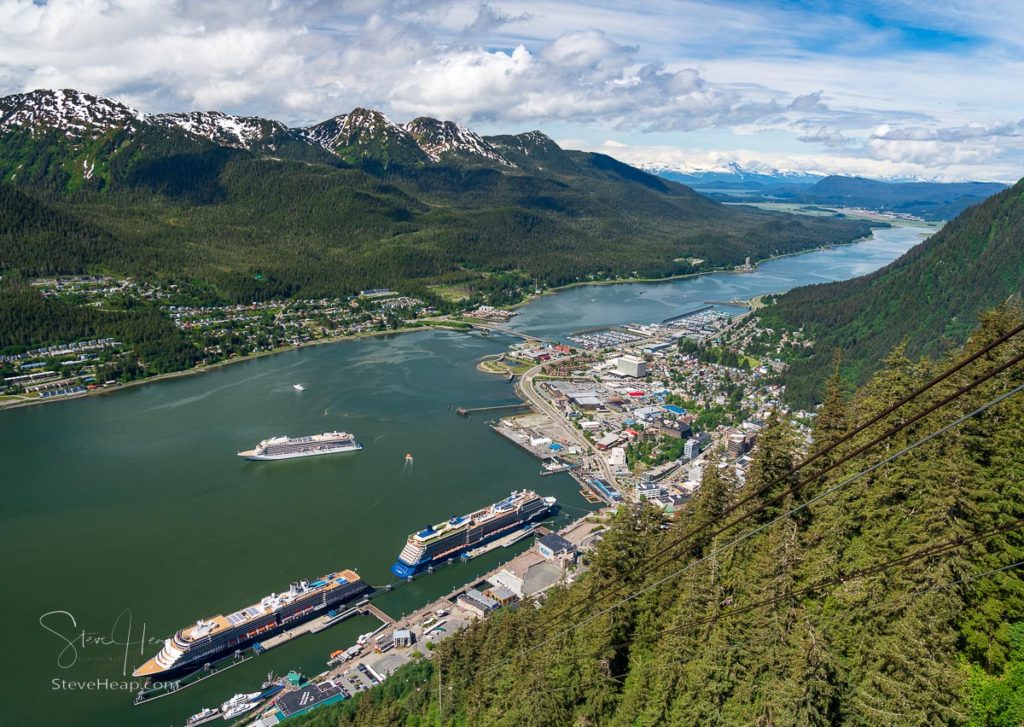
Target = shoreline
(683,276)
(8,405)
(207,368)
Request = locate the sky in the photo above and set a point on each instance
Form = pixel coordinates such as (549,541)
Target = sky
(926,89)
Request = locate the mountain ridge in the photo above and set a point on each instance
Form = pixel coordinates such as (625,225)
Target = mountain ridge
(928,299)
(255,209)
(930,200)
(351,137)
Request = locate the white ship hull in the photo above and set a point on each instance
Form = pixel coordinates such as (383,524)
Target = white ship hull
(251,454)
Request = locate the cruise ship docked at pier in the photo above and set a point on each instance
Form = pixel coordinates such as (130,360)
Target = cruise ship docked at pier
(208,640)
(437,543)
(308,446)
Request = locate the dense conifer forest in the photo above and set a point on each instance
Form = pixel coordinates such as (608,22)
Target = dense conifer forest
(930,298)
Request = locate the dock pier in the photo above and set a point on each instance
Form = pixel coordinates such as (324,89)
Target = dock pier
(466,411)
(503,542)
(374,611)
(708,305)
(320,623)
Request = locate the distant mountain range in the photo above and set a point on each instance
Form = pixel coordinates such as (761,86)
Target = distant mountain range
(928,200)
(254,208)
(931,297)
(735,176)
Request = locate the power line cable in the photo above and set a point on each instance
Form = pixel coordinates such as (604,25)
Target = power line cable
(658,558)
(672,664)
(903,561)
(861,427)
(736,541)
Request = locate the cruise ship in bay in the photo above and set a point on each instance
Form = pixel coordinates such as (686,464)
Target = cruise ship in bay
(210,639)
(438,543)
(309,446)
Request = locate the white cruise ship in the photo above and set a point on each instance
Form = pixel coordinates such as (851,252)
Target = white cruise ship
(308,446)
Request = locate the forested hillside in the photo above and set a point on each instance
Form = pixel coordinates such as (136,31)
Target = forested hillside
(930,297)
(882,590)
(354,202)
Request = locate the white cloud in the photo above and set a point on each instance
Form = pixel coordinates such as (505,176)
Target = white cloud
(902,164)
(827,135)
(757,72)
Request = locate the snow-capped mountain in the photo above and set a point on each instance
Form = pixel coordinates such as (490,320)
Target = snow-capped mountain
(731,173)
(79,115)
(359,126)
(441,138)
(240,132)
(363,135)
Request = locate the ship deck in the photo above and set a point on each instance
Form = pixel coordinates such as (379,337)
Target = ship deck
(478,517)
(220,622)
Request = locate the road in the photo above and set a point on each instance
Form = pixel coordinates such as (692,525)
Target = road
(529,393)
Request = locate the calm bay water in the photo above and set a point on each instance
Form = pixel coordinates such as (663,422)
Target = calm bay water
(128,516)
(598,305)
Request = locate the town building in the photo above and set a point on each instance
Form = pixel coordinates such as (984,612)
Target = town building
(649,490)
(501,594)
(659,472)
(403,638)
(530,579)
(608,440)
(477,603)
(617,458)
(631,366)
(695,445)
(314,694)
(557,549)
(736,444)
(673,428)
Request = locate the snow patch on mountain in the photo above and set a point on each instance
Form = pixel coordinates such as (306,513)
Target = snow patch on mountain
(240,132)
(79,115)
(361,126)
(439,138)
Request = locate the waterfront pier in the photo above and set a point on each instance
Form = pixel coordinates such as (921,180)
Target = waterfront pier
(466,411)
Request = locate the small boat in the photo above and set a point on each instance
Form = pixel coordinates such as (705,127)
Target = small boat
(206,715)
(239,704)
(408,456)
(298,387)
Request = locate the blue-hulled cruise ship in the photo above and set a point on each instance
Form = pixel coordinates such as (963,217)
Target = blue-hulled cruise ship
(438,543)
